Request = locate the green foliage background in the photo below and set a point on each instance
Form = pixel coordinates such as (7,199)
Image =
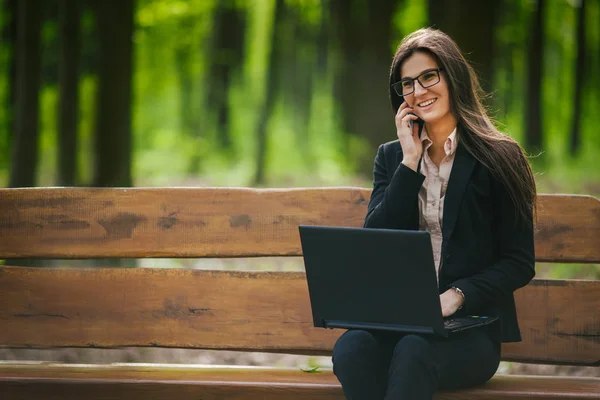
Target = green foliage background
(165,153)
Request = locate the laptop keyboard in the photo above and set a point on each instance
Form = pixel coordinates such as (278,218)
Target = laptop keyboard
(454,323)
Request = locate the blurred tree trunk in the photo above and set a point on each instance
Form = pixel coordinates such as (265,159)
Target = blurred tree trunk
(27,84)
(69,15)
(274,68)
(475,38)
(227,56)
(113,136)
(363,36)
(533,114)
(597,57)
(182,61)
(89,59)
(509,65)
(10,38)
(506,49)
(512,31)
(323,39)
(50,43)
(188,113)
(298,42)
(580,79)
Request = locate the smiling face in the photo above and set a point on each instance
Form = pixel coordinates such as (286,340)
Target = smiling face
(431,104)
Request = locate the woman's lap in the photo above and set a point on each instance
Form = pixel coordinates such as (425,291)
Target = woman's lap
(463,360)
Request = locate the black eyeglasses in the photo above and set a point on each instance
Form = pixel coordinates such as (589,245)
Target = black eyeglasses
(427,79)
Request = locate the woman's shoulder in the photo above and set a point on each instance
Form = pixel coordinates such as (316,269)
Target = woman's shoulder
(391,147)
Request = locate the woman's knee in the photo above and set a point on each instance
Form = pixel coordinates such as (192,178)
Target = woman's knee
(353,344)
(413,348)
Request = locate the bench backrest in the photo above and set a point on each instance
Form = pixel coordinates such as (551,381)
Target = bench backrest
(262,311)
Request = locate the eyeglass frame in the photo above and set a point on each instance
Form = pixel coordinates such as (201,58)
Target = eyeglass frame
(437,70)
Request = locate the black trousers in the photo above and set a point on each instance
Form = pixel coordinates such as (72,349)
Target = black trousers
(381,365)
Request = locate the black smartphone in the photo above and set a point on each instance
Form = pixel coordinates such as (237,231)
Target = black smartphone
(419,121)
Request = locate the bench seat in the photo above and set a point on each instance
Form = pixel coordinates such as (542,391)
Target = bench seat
(159,381)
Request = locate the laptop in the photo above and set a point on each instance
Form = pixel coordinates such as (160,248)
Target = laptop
(376,279)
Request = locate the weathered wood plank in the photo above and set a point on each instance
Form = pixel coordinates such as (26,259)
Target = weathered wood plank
(558,319)
(163,382)
(212,222)
(568,229)
(87,223)
(259,311)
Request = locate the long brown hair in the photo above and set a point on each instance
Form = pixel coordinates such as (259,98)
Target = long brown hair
(501,154)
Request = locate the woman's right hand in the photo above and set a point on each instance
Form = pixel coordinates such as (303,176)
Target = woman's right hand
(412,148)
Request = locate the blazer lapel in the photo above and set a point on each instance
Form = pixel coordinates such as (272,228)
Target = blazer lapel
(462,169)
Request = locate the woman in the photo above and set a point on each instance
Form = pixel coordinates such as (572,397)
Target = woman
(452,173)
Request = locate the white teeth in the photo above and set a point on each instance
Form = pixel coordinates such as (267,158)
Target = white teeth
(426,103)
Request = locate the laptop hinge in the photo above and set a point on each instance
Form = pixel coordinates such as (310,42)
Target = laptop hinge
(377,326)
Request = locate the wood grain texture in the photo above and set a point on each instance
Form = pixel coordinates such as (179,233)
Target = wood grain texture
(174,222)
(568,229)
(558,319)
(57,381)
(256,311)
(229,222)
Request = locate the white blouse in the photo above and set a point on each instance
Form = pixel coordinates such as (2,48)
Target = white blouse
(433,192)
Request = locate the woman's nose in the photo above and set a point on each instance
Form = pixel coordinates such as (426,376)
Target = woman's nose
(419,90)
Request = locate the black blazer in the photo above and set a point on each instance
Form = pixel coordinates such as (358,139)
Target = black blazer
(485,252)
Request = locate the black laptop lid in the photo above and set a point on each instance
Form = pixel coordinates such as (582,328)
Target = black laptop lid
(372,276)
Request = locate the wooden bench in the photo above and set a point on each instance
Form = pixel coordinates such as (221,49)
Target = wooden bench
(237,310)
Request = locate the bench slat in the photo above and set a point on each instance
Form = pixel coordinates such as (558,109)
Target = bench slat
(255,311)
(227,222)
(131,382)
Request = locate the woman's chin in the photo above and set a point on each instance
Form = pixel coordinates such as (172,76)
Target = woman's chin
(432,118)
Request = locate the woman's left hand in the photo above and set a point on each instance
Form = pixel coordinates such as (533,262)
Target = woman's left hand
(451,301)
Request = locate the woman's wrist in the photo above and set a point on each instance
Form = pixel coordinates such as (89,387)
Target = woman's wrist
(411,162)
(460,296)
